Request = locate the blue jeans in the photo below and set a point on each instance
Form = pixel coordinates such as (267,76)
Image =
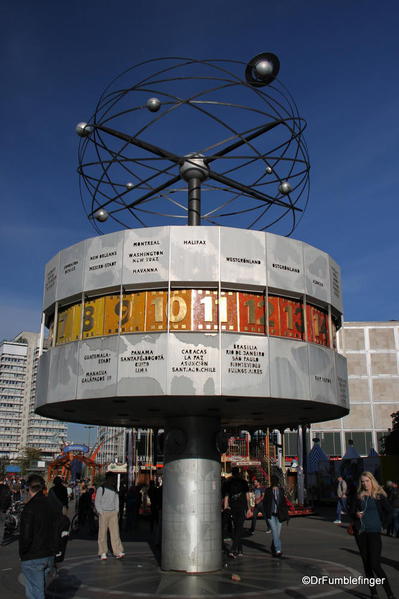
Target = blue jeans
(35,572)
(275,525)
(341,507)
(258,508)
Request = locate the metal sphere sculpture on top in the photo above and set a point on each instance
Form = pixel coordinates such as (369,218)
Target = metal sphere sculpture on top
(224,132)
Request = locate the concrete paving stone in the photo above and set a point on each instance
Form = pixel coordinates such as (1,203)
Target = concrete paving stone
(312,546)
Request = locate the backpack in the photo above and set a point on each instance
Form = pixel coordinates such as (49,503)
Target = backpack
(235,491)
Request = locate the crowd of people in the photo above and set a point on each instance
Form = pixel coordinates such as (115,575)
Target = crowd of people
(45,524)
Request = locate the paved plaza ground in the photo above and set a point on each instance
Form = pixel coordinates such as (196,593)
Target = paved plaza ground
(312,546)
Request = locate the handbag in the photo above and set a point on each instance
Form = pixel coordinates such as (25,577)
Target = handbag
(282,510)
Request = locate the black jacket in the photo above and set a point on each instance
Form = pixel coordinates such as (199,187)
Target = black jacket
(393,497)
(268,503)
(61,493)
(38,529)
(383,506)
(5,497)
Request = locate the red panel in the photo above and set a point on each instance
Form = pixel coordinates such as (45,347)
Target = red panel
(291,318)
(252,313)
(274,316)
(317,325)
(205,310)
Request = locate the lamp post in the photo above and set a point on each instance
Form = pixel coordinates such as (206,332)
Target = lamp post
(89,427)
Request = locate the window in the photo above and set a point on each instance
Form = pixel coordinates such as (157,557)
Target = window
(362,441)
(330,443)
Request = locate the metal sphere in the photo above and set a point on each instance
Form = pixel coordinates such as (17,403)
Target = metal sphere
(285,188)
(83,129)
(153,104)
(194,167)
(129,185)
(269,170)
(101,215)
(264,67)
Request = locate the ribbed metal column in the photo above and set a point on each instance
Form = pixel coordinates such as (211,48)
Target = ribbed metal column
(191,512)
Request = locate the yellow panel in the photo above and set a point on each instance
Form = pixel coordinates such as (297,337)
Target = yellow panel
(93,318)
(74,332)
(133,312)
(50,333)
(68,325)
(111,314)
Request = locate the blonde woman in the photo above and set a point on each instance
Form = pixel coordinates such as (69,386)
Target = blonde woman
(371,511)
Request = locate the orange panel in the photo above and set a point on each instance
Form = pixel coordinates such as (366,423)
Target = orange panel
(205,310)
(291,318)
(317,325)
(180,310)
(133,312)
(156,310)
(274,315)
(252,312)
(93,318)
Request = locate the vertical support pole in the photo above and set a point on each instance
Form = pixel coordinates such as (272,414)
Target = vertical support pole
(191,503)
(300,485)
(41,338)
(134,454)
(279,450)
(194,201)
(305,457)
(130,471)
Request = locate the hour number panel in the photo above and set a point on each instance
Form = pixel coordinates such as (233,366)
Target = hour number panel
(252,313)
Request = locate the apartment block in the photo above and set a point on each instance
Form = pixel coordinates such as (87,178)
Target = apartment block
(21,427)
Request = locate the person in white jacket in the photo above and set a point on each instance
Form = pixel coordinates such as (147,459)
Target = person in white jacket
(107,506)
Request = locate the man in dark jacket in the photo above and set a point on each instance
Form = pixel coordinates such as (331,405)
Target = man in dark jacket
(59,494)
(236,499)
(37,539)
(5,502)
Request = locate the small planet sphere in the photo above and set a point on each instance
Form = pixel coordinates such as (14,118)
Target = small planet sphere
(129,185)
(101,215)
(264,68)
(269,170)
(285,188)
(153,104)
(83,129)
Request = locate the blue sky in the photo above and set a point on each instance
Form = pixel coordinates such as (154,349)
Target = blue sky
(339,59)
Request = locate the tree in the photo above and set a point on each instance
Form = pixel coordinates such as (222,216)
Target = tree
(391,441)
(28,457)
(4,461)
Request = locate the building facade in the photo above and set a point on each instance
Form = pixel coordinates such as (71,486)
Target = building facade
(372,352)
(110,443)
(21,427)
